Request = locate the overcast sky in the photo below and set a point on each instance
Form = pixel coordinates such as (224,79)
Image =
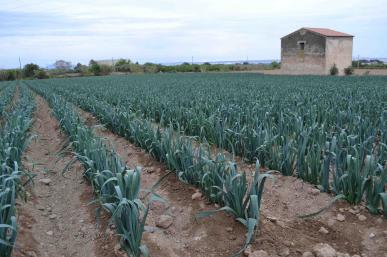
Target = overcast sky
(43,31)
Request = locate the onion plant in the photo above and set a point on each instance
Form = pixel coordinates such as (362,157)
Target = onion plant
(13,140)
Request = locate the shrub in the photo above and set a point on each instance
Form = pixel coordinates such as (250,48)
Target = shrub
(123,67)
(95,69)
(334,71)
(40,74)
(80,68)
(105,69)
(349,70)
(7,75)
(121,62)
(275,65)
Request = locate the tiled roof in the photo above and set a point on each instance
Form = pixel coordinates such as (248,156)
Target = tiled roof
(328,32)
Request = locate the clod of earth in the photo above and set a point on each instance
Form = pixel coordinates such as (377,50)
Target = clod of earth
(324,250)
(340,217)
(45,181)
(164,221)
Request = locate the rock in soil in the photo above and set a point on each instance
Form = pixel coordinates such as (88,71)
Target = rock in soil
(323,230)
(259,253)
(324,250)
(362,217)
(343,254)
(247,251)
(45,181)
(31,254)
(150,229)
(340,217)
(52,217)
(284,252)
(164,221)
(315,191)
(196,196)
(307,254)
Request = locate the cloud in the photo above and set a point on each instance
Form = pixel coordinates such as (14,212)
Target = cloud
(170,30)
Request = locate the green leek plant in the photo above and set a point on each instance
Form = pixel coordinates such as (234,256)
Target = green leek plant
(241,200)
(13,140)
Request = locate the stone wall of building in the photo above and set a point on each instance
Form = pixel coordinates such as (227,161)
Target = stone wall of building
(311,60)
(338,51)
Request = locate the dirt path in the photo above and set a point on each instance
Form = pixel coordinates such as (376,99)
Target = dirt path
(281,232)
(56,220)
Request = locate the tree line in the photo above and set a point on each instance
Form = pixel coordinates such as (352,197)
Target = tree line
(33,71)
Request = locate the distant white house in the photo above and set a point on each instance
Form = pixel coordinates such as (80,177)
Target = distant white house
(62,65)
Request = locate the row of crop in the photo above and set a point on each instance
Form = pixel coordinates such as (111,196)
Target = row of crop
(6,94)
(116,187)
(13,140)
(217,177)
(339,163)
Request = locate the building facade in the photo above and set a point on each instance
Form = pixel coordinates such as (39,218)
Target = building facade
(315,50)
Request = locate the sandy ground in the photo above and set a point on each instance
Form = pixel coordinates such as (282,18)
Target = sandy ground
(55,221)
(380,72)
(74,233)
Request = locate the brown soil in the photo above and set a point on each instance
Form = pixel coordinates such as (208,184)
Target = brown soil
(285,198)
(59,207)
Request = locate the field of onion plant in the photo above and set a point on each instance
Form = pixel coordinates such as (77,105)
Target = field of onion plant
(329,131)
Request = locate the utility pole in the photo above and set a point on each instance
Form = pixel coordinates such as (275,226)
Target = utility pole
(192,60)
(20,69)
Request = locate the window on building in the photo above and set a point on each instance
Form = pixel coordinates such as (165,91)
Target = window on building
(301,45)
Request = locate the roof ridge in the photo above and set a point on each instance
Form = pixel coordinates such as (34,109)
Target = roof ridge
(328,32)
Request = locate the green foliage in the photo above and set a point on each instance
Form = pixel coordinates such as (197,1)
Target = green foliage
(40,74)
(349,70)
(8,75)
(275,65)
(95,68)
(105,69)
(80,68)
(369,64)
(334,70)
(13,140)
(121,62)
(29,70)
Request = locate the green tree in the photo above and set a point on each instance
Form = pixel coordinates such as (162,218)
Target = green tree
(95,68)
(29,70)
(121,62)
